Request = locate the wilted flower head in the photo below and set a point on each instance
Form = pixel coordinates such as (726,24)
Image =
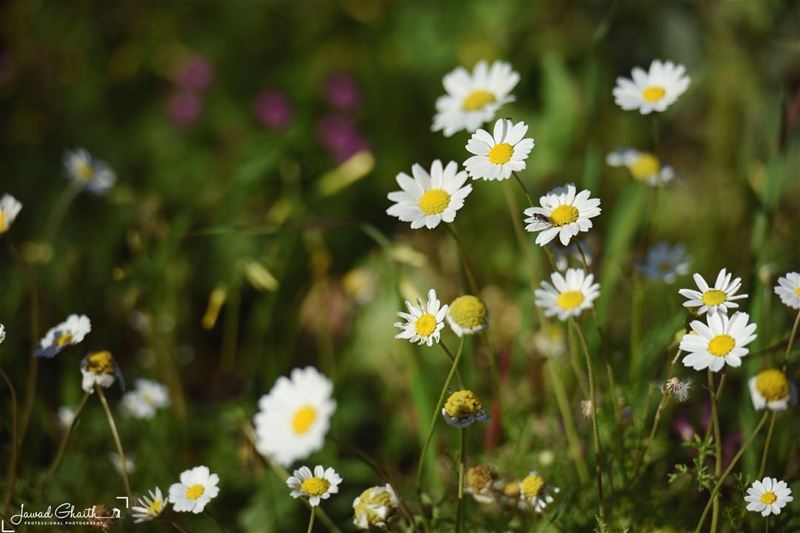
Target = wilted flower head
(482,483)
(462,408)
(314,486)
(69,333)
(678,388)
(88,173)
(771,389)
(99,368)
(9,209)
(272,108)
(467,315)
(375,507)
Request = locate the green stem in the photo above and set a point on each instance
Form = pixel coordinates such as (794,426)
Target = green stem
(11,477)
(461,464)
(717,447)
(791,341)
(462,253)
(767,442)
(524,188)
(728,470)
(453,361)
(651,436)
(111,424)
(64,442)
(569,422)
(311,519)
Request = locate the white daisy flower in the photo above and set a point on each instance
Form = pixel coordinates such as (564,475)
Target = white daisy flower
(116,460)
(423,322)
(665,262)
(88,173)
(562,213)
(197,487)
(535,493)
(99,368)
(69,333)
(427,199)
(146,399)
(467,315)
(497,156)
(568,295)
(722,340)
(788,289)
(473,98)
(463,408)
(643,166)
(9,209)
(652,91)
(2,333)
(768,496)
(771,389)
(375,507)
(294,416)
(314,486)
(716,299)
(150,507)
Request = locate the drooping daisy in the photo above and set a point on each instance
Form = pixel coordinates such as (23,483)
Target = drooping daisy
(197,487)
(88,173)
(99,368)
(716,299)
(375,507)
(643,166)
(314,486)
(562,213)
(69,333)
(497,156)
(768,496)
(294,416)
(428,199)
(423,322)
(482,483)
(665,262)
(150,507)
(9,209)
(652,91)
(771,389)
(788,289)
(721,341)
(568,295)
(147,398)
(535,493)
(467,315)
(473,98)
(463,408)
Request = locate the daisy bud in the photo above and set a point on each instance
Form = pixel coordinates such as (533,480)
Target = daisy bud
(467,315)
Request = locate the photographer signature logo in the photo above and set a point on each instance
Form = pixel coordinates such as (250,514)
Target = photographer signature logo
(63,514)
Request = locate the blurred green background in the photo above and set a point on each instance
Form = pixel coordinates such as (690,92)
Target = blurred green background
(243,239)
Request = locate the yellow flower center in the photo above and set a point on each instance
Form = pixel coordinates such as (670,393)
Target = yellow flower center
(3,223)
(303,419)
(462,404)
(195,491)
(569,299)
(654,93)
(84,171)
(425,325)
(374,496)
(714,297)
(434,201)
(315,486)
(511,489)
(796,291)
(531,485)
(156,506)
(468,311)
(772,384)
(645,165)
(477,100)
(101,363)
(563,215)
(721,345)
(501,154)
(768,497)
(63,339)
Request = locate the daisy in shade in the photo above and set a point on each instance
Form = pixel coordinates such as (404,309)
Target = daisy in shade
(768,496)
(772,390)
(375,507)
(497,156)
(722,340)
(69,333)
(534,493)
(563,213)
(568,295)
(294,417)
(427,199)
(652,91)
(665,262)
(150,507)
(99,368)
(423,322)
(314,486)
(643,166)
(88,173)
(9,209)
(197,487)
(788,289)
(473,98)
(716,299)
